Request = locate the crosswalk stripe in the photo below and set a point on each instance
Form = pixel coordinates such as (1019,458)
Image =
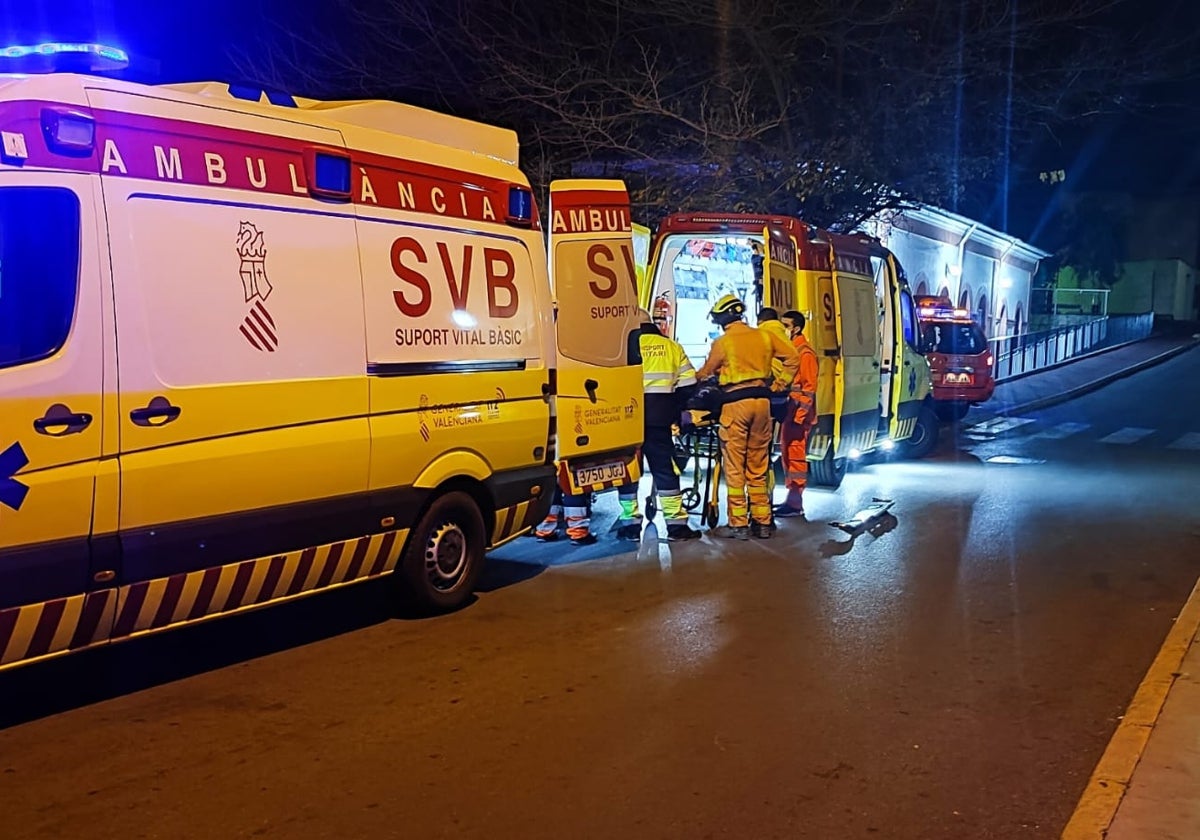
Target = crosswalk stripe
(1130,434)
(998,425)
(1189,441)
(1062,430)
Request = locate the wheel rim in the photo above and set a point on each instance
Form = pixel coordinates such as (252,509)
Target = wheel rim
(446,556)
(919,434)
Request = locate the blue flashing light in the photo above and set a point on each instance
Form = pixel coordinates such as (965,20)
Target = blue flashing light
(332,175)
(102,56)
(520,206)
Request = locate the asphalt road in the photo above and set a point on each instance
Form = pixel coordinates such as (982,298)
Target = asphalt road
(956,674)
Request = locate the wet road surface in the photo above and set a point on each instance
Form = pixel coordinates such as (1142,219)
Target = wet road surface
(956,674)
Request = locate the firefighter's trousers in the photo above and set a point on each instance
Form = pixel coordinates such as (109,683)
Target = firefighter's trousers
(745,456)
(793,441)
(658,452)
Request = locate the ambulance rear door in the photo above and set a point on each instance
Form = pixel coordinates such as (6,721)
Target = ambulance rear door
(599,376)
(780,292)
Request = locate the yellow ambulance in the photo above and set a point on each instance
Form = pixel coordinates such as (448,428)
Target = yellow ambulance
(254,347)
(874,386)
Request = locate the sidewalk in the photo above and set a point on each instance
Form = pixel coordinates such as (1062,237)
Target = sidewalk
(1147,784)
(1075,377)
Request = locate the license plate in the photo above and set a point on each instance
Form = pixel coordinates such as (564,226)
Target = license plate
(958,379)
(600,473)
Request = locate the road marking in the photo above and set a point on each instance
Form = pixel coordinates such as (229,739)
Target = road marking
(997,426)
(1189,441)
(1110,780)
(1130,434)
(1062,430)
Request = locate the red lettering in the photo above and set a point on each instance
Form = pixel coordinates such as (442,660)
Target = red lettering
(593,260)
(500,271)
(408,245)
(459,289)
(631,272)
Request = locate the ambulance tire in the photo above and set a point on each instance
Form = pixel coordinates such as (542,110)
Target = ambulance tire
(444,556)
(829,471)
(925,434)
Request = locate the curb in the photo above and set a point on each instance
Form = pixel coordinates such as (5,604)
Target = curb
(1096,384)
(1110,780)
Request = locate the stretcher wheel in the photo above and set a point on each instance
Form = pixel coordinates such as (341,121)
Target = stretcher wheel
(711,515)
(691,499)
(651,507)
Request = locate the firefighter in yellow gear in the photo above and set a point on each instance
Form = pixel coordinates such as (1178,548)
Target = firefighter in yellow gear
(799,419)
(668,379)
(741,360)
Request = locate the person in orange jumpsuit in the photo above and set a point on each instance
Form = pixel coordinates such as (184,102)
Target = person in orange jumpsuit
(799,419)
(741,360)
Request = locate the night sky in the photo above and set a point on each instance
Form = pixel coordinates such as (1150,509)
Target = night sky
(1154,152)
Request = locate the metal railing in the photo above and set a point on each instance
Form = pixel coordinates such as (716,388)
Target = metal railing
(1018,354)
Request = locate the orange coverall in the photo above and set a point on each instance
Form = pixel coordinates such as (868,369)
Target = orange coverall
(741,359)
(801,418)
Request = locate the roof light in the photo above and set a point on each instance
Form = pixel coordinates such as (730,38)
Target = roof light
(98,56)
(520,206)
(68,132)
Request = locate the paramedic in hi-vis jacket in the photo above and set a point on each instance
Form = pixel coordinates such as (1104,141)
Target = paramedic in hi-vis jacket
(741,360)
(668,380)
(799,419)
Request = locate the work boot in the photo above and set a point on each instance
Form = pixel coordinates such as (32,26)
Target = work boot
(546,536)
(680,532)
(762,531)
(632,532)
(586,539)
(785,511)
(728,532)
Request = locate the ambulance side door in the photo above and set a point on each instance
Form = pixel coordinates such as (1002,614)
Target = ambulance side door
(599,376)
(239,322)
(54,344)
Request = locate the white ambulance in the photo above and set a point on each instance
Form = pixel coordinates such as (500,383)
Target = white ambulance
(254,347)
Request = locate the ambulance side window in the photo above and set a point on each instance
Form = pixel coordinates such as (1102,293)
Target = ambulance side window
(39,271)
(908,318)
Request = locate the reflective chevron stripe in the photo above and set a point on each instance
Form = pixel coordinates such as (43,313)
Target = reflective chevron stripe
(511,522)
(53,627)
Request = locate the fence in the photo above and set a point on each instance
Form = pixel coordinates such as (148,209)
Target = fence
(1018,354)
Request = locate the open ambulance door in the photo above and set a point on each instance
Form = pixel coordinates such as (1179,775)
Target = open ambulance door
(641,263)
(779,280)
(598,396)
(901,374)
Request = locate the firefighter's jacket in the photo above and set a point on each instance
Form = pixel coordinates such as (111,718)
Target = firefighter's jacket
(743,356)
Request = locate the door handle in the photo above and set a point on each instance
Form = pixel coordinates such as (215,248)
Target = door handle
(59,420)
(159,412)
(590,385)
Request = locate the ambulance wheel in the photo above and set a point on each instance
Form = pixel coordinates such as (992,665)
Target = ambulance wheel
(829,471)
(924,436)
(445,554)
(691,499)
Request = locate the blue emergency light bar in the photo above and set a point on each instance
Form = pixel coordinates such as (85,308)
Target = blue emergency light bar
(101,56)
